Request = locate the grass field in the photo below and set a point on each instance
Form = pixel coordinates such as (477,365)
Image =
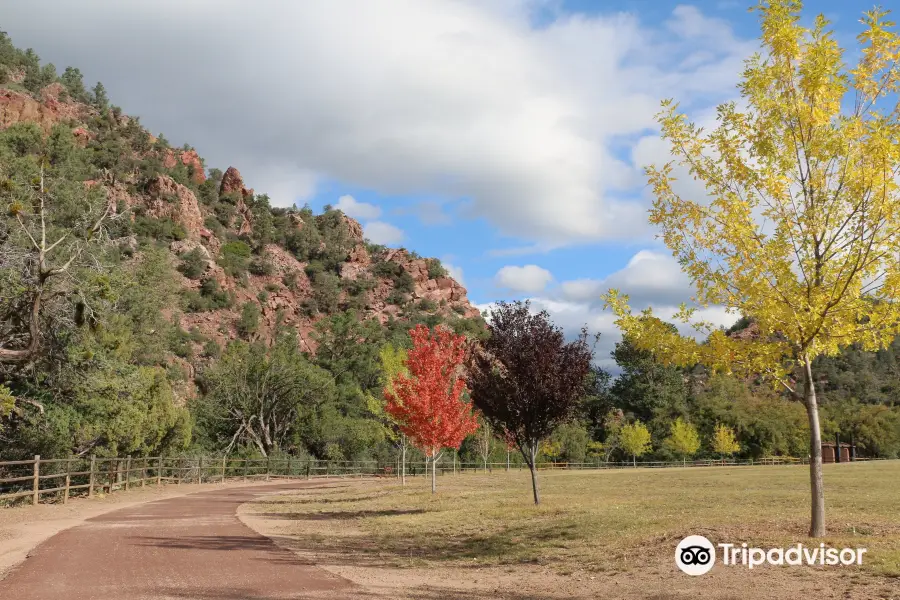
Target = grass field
(600,526)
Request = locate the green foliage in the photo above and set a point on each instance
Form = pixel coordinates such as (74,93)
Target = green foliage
(180,342)
(326,288)
(234,258)
(248,324)
(158,229)
(435,269)
(7,404)
(570,442)
(262,265)
(193,263)
(210,297)
(267,398)
(100,99)
(324,238)
(648,390)
(290,280)
(211,349)
(427,305)
(74,83)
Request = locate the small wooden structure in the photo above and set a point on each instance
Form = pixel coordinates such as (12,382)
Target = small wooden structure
(830,452)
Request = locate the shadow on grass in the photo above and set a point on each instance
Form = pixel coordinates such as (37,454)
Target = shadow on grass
(315,500)
(516,544)
(342,515)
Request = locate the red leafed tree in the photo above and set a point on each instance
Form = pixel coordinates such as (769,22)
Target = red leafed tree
(430,403)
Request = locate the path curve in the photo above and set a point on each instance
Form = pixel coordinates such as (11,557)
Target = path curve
(189,547)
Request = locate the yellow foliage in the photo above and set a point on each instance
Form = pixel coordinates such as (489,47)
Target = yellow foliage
(724,441)
(635,439)
(800,228)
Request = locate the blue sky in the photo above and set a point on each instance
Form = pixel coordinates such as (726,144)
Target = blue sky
(506,137)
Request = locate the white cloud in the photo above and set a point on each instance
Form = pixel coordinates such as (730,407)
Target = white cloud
(529,279)
(581,290)
(379,232)
(458,99)
(650,279)
(358,210)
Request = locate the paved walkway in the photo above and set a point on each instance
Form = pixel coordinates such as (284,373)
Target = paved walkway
(191,547)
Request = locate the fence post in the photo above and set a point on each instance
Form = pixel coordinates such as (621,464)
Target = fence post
(127,471)
(37,478)
(224,458)
(143,471)
(68,480)
(91,477)
(112,473)
(308,468)
(158,471)
(200,470)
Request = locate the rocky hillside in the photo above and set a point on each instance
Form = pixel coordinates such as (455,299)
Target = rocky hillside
(219,229)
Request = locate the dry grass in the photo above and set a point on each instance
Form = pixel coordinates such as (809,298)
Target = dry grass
(597,522)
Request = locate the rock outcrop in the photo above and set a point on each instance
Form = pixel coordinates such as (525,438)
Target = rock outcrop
(16,107)
(188,158)
(170,200)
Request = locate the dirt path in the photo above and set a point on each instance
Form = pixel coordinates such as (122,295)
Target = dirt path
(189,547)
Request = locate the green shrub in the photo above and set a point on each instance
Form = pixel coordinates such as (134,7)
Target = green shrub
(180,342)
(193,264)
(209,297)
(248,324)
(235,258)
(427,305)
(404,283)
(211,349)
(435,269)
(290,280)
(387,269)
(397,298)
(313,268)
(214,226)
(263,296)
(326,289)
(262,265)
(158,229)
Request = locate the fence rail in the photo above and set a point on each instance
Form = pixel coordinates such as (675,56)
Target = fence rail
(59,479)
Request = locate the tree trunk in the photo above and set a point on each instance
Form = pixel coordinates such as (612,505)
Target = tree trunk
(507,460)
(403,464)
(817,485)
(434,474)
(533,467)
(634,461)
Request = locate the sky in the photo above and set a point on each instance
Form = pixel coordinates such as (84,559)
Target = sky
(505,137)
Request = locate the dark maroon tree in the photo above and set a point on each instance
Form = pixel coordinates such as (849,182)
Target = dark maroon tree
(526,379)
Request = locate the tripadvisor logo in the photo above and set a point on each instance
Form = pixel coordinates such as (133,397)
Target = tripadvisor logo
(696,555)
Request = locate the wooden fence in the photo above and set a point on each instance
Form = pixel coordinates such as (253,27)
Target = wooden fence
(59,479)
(63,478)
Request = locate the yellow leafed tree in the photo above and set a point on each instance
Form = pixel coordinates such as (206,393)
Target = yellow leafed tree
(800,226)
(393,363)
(724,441)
